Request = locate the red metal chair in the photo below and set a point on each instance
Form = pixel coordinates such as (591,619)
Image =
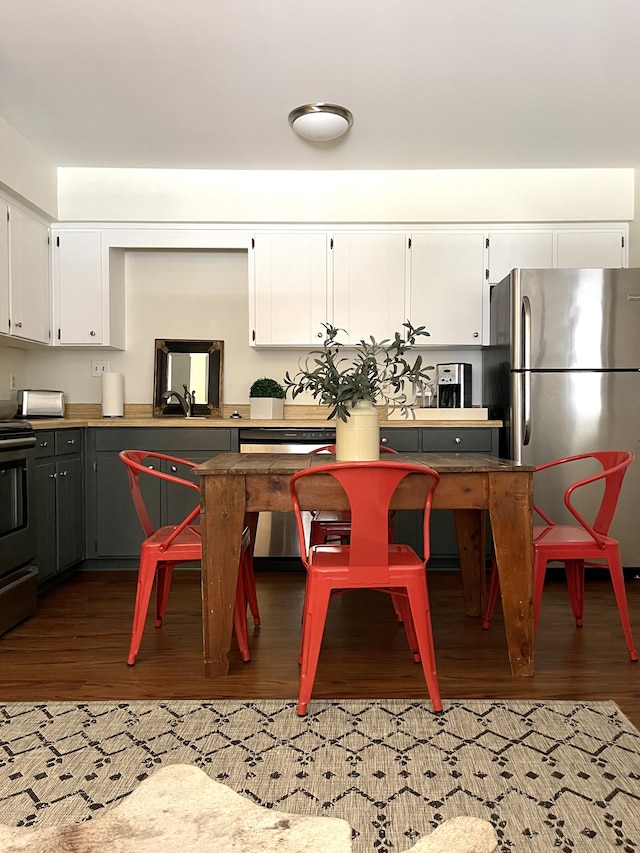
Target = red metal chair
(369,561)
(578,545)
(168,546)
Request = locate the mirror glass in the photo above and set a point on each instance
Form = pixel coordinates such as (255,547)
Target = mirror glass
(192,369)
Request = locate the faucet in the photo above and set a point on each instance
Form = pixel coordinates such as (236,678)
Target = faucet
(185,402)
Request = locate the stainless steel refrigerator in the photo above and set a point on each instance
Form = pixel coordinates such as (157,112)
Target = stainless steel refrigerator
(563,372)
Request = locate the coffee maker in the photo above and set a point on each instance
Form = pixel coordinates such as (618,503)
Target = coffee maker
(453,385)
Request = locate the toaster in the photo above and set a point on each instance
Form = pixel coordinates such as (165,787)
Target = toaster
(40,404)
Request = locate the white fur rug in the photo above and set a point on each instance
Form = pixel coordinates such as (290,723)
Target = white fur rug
(180,808)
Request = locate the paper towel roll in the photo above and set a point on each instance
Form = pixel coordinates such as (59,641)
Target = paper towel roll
(112,395)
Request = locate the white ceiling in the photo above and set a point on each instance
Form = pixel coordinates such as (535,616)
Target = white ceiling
(431,83)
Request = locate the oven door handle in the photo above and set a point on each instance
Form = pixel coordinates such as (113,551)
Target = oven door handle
(17,442)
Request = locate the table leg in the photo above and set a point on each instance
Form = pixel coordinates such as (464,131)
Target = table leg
(221,542)
(511,512)
(471,549)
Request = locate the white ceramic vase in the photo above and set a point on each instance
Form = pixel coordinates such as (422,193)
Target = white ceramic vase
(358,439)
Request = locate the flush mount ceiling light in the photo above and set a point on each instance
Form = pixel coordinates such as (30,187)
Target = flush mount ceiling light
(320,122)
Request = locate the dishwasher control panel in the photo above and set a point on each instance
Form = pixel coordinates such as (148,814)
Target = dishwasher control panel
(283,435)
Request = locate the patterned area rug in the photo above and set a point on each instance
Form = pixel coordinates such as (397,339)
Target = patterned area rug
(548,776)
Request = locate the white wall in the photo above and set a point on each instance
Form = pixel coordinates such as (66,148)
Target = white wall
(186,294)
(26,172)
(187,195)
(12,361)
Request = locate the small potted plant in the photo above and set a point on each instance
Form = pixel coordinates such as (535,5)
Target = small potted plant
(266,399)
(374,372)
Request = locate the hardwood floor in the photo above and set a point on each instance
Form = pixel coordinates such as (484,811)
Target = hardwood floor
(75,647)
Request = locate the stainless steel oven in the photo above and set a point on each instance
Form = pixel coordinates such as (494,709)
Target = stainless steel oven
(17,523)
(277,536)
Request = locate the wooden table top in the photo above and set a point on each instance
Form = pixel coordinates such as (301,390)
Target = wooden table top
(288,463)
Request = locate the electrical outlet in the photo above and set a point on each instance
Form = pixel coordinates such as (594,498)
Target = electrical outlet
(99,368)
(12,382)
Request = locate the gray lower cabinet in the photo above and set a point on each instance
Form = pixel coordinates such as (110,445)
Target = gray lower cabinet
(467,440)
(405,440)
(113,529)
(59,501)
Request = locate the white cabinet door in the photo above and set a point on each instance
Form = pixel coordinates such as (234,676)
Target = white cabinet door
(4,267)
(447,286)
(525,249)
(369,284)
(591,249)
(30,300)
(288,289)
(77,272)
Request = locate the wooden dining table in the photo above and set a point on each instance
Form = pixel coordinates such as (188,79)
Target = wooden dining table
(236,487)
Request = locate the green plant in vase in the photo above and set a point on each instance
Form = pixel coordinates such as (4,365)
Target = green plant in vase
(266,399)
(377,371)
(352,379)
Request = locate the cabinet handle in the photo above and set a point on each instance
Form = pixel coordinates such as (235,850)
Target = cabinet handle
(53,476)
(63,473)
(476,334)
(457,439)
(71,441)
(18,325)
(319,334)
(384,441)
(174,469)
(92,333)
(44,444)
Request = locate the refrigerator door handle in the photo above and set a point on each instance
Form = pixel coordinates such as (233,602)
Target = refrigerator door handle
(526,363)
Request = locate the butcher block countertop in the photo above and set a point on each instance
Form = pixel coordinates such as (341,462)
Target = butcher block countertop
(140,415)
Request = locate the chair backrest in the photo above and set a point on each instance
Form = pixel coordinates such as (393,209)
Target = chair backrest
(331,448)
(614,467)
(135,462)
(369,488)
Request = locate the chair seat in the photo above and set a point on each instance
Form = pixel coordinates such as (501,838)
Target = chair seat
(335,559)
(326,516)
(559,537)
(187,539)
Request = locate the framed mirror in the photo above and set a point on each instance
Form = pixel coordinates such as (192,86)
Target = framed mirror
(192,369)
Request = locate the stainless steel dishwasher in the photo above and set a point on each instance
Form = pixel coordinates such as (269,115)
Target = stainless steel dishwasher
(277,537)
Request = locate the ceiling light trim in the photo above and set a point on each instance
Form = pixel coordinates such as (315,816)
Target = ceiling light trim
(320,122)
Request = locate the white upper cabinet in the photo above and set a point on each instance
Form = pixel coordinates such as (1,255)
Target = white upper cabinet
(288,289)
(77,276)
(88,286)
(591,249)
(448,286)
(30,300)
(4,267)
(525,249)
(369,283)
(580,248)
